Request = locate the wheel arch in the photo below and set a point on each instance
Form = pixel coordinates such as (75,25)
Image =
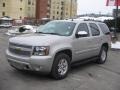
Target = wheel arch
(105,45)
(65,51)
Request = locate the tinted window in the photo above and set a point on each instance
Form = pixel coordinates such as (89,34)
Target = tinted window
(104,28)
(94,29)
(83,27)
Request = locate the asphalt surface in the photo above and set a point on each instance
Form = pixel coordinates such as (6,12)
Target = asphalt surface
(89,76)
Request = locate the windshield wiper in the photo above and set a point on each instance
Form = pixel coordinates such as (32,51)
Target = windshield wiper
(53,33)
(40,32)
(49,33)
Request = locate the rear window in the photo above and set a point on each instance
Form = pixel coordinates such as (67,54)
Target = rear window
(104,28)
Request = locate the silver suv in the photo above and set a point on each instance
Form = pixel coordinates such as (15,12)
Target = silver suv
(59,44)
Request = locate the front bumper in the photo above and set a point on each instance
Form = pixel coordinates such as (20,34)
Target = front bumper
(33,63)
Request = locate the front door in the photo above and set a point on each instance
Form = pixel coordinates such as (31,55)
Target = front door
(81,45)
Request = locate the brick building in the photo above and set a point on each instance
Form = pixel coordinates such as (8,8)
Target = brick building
(56,9)
(41,9)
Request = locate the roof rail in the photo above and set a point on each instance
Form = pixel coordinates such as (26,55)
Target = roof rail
(92,20)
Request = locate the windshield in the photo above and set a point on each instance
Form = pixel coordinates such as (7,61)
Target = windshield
(57,28)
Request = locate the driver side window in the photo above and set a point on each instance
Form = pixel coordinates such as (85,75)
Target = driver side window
(83,27)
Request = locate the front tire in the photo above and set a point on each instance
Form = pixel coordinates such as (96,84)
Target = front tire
(102,56)
(61,66)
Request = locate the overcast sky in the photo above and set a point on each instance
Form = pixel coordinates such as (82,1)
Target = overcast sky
(93,6)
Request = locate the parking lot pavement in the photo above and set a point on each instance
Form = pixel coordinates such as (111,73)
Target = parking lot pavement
(84,77)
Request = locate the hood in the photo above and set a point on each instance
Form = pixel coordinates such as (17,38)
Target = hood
(36,39)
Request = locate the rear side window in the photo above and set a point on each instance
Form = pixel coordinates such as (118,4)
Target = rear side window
(104,28)
(94,29)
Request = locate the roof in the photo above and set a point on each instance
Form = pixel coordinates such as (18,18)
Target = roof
(101,18)
(77,21)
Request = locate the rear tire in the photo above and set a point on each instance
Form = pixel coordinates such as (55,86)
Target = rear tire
(102,56)
(61,66)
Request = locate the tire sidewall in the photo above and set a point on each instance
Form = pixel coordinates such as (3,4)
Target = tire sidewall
(101,51)
(54,71)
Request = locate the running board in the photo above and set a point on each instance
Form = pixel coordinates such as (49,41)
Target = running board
(84,61)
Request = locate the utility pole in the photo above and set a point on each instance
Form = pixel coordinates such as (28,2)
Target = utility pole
(116,19)
(71,9)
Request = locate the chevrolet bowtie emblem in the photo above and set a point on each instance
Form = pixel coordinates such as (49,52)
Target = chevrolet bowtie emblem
(18,48)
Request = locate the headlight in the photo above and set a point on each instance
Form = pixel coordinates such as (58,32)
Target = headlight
(41,50)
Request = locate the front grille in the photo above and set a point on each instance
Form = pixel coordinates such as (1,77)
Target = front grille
(20,45)
(21,50)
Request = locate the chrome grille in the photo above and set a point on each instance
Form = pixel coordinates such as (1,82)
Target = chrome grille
(18,49)
(19,45)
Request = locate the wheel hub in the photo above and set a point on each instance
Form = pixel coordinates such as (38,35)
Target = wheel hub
(62,66)
(103,55)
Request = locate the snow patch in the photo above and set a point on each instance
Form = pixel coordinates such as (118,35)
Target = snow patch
(115,45)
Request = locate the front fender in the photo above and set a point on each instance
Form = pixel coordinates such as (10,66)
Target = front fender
(58,48)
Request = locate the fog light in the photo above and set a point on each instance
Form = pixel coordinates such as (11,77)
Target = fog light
(37,68)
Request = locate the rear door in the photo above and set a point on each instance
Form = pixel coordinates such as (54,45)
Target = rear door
(95,39)
(106,33)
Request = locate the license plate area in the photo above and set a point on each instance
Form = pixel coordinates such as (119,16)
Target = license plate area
(19,65)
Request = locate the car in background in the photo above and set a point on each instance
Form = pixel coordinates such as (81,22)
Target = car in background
(5,22)
(24,29)
(5,25)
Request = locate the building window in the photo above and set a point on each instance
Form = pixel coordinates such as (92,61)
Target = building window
(53,17)
(62,8)
(62,3)
(61,13)
(3,13)
(57,12)
(48,16)
(20,17)
(20,9)
(48,11)
(32,3)
(58,7)
(48,5)
(3,4)
(29,2)
(21,0)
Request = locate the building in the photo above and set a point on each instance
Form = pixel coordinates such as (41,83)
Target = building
(56,9)
(70,8)
(18,9)
(42,9)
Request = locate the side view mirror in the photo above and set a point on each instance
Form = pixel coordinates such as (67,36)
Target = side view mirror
(81,34)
